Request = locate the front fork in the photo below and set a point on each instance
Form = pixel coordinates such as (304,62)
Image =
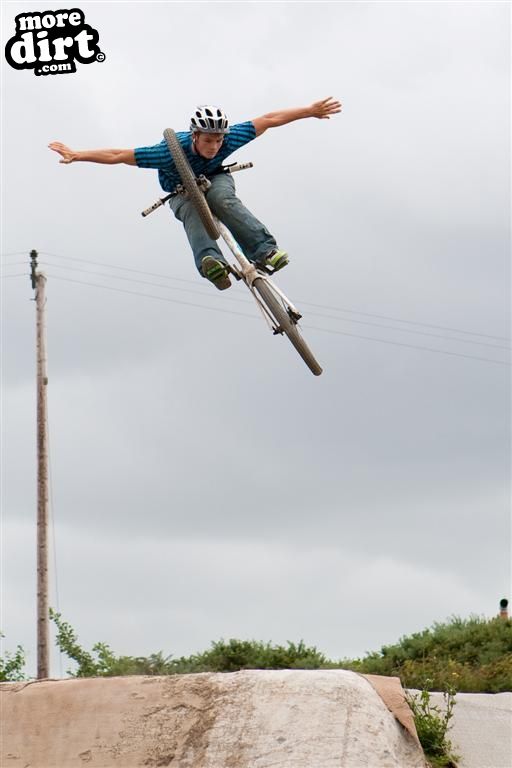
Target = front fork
(248,272)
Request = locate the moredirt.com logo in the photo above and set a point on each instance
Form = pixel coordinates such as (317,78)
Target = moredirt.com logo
(50,42)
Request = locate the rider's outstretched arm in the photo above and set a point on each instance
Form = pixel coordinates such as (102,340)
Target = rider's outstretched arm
(106,156)
(321,109)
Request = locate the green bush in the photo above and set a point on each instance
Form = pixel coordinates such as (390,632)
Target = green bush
(222,657)
(12,665)
(102,662)
(432,726)
(474,655)
(244,654)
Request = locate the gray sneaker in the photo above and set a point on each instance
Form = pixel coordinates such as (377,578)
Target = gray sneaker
(216,272)
(276,260)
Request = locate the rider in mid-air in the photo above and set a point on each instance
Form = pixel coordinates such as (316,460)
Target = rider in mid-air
(207,144)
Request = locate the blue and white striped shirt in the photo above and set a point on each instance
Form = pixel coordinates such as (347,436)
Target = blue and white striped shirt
(159,157)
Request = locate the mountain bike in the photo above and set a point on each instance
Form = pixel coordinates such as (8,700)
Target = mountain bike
(278,311)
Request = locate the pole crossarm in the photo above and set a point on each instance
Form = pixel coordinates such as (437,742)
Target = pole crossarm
(33,268)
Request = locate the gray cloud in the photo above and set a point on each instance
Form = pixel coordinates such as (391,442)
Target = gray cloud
(204,483)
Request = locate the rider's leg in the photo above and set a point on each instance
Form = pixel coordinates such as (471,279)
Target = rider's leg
(201,243)
(253,237)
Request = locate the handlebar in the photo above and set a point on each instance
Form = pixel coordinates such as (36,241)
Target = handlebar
(232,168)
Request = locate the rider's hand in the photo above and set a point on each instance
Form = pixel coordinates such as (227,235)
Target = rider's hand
(324,108)
(67,154)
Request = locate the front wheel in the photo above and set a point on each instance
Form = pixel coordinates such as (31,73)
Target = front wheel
(189,182)
(286,324)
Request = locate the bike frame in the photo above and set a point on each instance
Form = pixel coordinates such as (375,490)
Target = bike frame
(247,271)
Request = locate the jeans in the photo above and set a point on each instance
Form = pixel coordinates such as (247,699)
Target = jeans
(253,237)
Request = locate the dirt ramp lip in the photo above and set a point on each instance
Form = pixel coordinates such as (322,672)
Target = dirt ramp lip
(393,695)
(249,719)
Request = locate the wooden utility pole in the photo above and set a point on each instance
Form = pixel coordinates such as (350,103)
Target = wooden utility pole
(43,628)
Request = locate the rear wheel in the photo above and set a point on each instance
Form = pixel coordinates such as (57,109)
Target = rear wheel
(189,182)
(286,324)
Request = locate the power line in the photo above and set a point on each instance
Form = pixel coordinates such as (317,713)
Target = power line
(19,274)
(151,296)
(326,330)
(410,330)
(241,314)
(305,303)
(151,283)
(316,314)
(410,346)
(16,253)
(52,526)
(13,264)
(116,266)
(411,322)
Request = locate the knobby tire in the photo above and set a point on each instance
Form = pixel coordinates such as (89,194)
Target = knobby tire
(286,324)
(189,182)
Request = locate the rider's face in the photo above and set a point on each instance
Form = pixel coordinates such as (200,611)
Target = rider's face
(208,144)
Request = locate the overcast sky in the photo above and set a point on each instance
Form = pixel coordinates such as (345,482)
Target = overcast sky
(204,484)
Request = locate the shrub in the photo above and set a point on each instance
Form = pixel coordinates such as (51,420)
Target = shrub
(12,665)
(432,726)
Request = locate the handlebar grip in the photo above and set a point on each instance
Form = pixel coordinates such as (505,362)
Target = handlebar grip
(152,208)
(239,167)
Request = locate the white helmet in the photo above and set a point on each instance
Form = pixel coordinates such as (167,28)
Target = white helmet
(208,119)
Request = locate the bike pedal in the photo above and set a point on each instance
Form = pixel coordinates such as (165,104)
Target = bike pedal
(233,271)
